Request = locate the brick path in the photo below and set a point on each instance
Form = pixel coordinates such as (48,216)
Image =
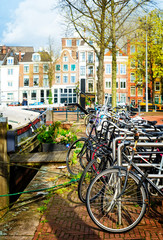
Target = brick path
(67,218)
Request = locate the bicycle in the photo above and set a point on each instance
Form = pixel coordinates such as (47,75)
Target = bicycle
(117,198)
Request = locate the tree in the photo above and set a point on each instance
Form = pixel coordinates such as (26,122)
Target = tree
(101,21)
(151,27)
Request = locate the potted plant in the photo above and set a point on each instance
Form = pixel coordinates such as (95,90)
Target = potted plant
(55,138)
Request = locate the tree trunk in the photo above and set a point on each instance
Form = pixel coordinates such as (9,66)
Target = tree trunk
(100,81)
(114,63)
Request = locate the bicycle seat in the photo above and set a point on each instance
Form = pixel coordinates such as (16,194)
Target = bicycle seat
(156,134)
(152,122)
(127,143)
(159,127)
(91,121)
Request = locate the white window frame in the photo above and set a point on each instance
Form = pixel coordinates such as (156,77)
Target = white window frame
(133,87)
(59,67)
(36,57)
(90,82)
(65,70)
(73,77)
(10,83)
(10,61)
(140,92)
(65,59)
(74,68)
(82,56)
(10,96)
(82,70)
(108,68)
(68,42)
(26,78)
(122,68)
(26,68)
(123,97)
(36,68)
(45,81)
(157,85)
(122,83)
(34,98)
(108,82)
(58,78)
(132,74)
(65,76)
(10,71)
(36,77)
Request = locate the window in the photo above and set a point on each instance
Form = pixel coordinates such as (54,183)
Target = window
(133,102)
(73,78)
(123,97)
(68,42)
(132,49)
(77,42)
(157,86)
(45,81)
(26,81)
(108,68)
(58,67)
(65,59)
(36,68)
(82,70)
(132,64)
(90,57)
(90,71)
(25,94)
(10,61)
(35,80)
(10,96)
(140,92)
(33,95)
(117,68)
(117,83)
(133,92)
(65,78)
(10,84)
(58,78)
(73,67)
(65,67)
(55,95)
(36,57)
(90,86)
(45,68)
(68,95)
(82,56)
(10,71)
(132,77)
(122,68)
(156,99)
(26,68)
(123,83)
(108,83)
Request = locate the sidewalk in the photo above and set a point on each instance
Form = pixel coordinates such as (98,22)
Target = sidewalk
(61,215)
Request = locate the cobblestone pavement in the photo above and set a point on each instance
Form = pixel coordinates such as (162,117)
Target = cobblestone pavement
(67,218)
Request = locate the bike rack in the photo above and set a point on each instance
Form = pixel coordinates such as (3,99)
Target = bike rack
(119,155)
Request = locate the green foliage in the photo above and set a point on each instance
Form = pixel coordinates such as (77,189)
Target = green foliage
(56,134)
(50,97)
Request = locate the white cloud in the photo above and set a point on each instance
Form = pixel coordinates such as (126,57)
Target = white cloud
(32,24)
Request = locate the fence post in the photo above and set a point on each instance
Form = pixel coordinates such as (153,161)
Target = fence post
(77,114)
(4,167)
(66,115)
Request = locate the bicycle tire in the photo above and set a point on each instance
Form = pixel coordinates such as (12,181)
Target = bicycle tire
(104,209)
(76,160)
(99,162)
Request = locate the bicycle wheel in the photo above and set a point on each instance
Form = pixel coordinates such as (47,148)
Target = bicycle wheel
(101,160)
(78,156)
(111,211)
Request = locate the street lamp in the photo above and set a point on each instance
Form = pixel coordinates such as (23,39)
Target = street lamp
(146,74)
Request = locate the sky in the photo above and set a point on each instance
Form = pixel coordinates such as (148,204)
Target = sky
(31,23)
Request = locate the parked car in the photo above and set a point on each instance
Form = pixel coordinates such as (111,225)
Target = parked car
(14,104)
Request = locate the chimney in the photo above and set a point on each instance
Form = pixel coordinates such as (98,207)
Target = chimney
(19,56)
(3,49)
